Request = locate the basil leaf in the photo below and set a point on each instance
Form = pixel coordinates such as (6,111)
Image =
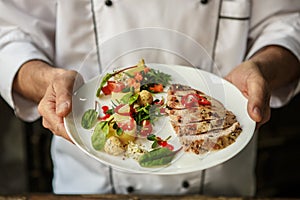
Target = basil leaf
(89,118)
(157,157)
(99,135)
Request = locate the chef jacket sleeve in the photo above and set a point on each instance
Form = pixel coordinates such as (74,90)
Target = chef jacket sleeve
(26,33)
(277,25)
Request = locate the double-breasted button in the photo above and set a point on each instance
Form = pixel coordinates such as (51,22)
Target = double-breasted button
(204,1)
(185,184)
(108,2)
(130,189)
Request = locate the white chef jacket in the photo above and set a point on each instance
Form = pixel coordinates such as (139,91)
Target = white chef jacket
(92,35)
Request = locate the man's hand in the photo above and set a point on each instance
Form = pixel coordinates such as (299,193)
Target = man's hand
(57,102)
(248,78)
(51,88)
(269,69)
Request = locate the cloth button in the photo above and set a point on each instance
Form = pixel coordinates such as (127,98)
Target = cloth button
(108,2)
(185,184)
(130,189)
(204,1)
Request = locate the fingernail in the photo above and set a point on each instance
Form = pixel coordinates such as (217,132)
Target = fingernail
(61,108)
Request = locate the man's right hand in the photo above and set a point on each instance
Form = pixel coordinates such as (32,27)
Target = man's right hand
(57,102)
(51,88)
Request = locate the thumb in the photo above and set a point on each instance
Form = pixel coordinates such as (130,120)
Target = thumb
(63,102)
(63,89)
(258,101)
(63,107)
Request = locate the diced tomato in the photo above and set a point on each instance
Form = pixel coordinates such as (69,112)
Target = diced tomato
(162,143)
(157,88)
(203,101)
(191,100)
(106,116)
(147,128)
(108,88)
(105,109)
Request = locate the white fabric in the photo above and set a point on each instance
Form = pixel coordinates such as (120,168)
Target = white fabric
(88,36)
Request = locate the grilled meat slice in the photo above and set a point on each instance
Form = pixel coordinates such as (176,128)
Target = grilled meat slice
(210,141)
(204,126)
(201,122)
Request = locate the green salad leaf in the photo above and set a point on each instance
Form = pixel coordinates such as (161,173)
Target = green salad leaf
(100,135)
(89,119)
(157,157)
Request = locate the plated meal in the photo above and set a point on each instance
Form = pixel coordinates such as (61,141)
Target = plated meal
(131,103)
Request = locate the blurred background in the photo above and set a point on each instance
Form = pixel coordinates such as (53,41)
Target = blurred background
(25,165)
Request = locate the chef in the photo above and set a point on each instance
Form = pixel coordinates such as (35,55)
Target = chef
(45,45)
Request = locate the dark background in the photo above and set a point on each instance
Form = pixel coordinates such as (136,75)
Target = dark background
(25,165)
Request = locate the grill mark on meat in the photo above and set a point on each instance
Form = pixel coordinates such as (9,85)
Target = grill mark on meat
(202,127)
(196,114)
(214,140)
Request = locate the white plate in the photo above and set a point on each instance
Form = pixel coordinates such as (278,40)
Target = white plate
(84,99)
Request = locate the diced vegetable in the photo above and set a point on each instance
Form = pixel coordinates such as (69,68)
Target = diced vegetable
(157,88)
(107,90)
